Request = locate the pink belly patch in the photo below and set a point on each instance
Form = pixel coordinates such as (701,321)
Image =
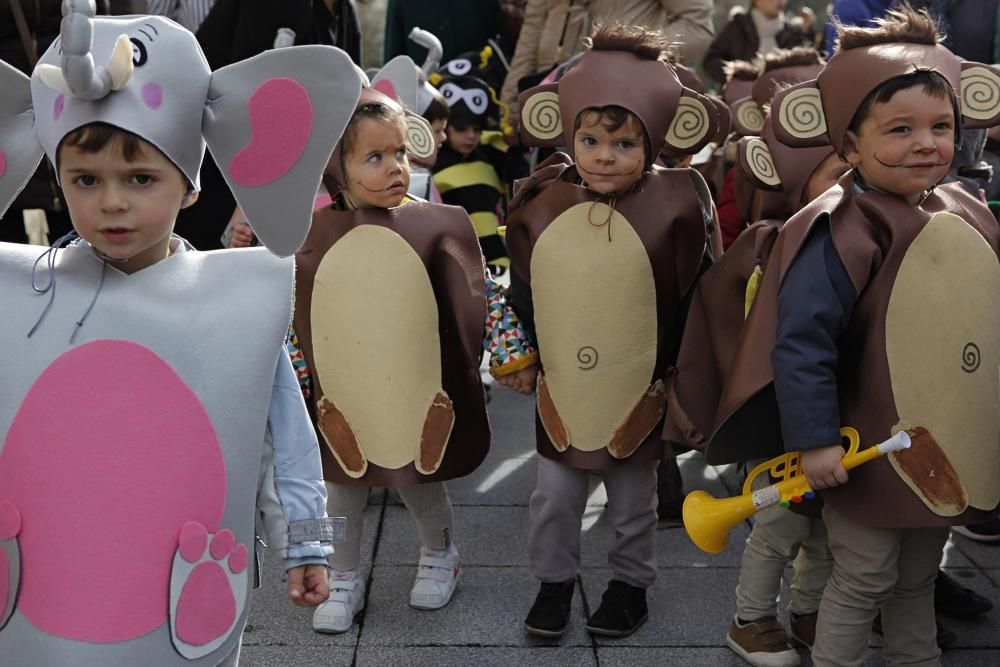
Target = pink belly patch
(109,455)
(281,115)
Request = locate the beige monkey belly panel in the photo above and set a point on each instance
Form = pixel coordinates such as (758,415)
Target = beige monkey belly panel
(943,349)
(375,340)
(595,315)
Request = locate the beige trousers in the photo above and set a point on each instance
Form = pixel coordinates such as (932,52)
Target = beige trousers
(429,506)
(778,536)
(891,569)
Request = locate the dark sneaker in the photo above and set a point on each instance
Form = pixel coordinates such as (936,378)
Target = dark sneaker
(802,628)
(622,611)
(945,637)
(988,531)
(953,599)
(550,613)
(762,643)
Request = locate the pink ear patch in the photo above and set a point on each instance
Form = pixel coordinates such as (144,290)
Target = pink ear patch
(322,201)
(385,87)
(3,164)
(132,459)
(58,107)
(281,115)
(152,95)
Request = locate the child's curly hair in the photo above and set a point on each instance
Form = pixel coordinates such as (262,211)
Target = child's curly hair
(643,42)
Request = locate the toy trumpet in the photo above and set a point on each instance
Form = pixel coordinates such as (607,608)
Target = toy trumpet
(708,520)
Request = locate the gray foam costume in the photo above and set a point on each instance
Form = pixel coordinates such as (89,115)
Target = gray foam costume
(144,478)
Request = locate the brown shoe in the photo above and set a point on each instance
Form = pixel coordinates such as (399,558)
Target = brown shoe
(802,628)
(762,643)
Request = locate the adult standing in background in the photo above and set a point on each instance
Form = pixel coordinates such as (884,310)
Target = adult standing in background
(553,31)
(189,13)
(762,29)
(461,25)
(853,12)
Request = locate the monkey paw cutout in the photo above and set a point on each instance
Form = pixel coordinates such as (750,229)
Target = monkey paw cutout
(341,439)
(10,559)
(436,431)
(208,589)
(646,414)
(553,423)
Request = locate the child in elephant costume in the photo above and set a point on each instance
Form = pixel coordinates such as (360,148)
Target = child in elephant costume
(128,518)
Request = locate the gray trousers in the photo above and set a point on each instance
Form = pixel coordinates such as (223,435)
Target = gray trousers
(877,567)
(428,504)
(555,516)
(777,536)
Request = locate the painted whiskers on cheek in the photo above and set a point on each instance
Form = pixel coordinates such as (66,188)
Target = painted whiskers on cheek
(944,163)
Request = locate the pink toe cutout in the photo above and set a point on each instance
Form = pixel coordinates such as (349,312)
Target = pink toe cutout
(281,115)
(222,544)
(10,520)
(193,541)
(239,559)
(206,607)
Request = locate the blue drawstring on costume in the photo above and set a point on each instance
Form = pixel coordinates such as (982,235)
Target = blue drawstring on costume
(49,256)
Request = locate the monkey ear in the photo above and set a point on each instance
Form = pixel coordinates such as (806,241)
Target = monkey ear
(979,98)
(695,123)
(756,163)
(748,117)
(724,118)
(541,118)
(797,116)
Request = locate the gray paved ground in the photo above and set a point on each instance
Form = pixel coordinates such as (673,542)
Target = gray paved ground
(690,605)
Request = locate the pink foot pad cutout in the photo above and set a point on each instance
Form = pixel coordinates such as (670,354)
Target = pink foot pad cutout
(10,526)
(207,591)
(281,114)
(132,458)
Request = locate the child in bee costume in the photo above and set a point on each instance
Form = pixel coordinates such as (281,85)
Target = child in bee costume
(605,250)
(391,308)
(127,523)
(879,305)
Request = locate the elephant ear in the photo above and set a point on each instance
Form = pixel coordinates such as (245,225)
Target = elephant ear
(271,122)
(979,98)
(695,123)
(756,163)
(797,116)
(20,149)
(398,80)
(421,146)
(541,118)
(748,117)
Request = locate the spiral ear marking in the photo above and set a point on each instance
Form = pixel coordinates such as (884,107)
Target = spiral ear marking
(541,117)
(750,116)
(691,123)
(761,163)
(980,96)
(419,138)
(801,114)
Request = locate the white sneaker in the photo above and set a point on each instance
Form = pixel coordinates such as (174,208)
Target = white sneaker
(436,578)
(347,598)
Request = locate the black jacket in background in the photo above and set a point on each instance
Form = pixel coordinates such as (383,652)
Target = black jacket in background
(738,40)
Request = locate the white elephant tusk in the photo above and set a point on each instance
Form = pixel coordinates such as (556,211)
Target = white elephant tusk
(120,64)
(52,76)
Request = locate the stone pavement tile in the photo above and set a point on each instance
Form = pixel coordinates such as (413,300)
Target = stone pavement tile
(488,609)
(299,656)
(953,556)
(985,555)
(688,607)
(512,419)
(969,658)
(487,536)
(632,656)
(498,481)
(673,547)
(462,656)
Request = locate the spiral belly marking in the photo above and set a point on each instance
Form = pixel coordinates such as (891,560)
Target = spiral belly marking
(588,357)
(970,358)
